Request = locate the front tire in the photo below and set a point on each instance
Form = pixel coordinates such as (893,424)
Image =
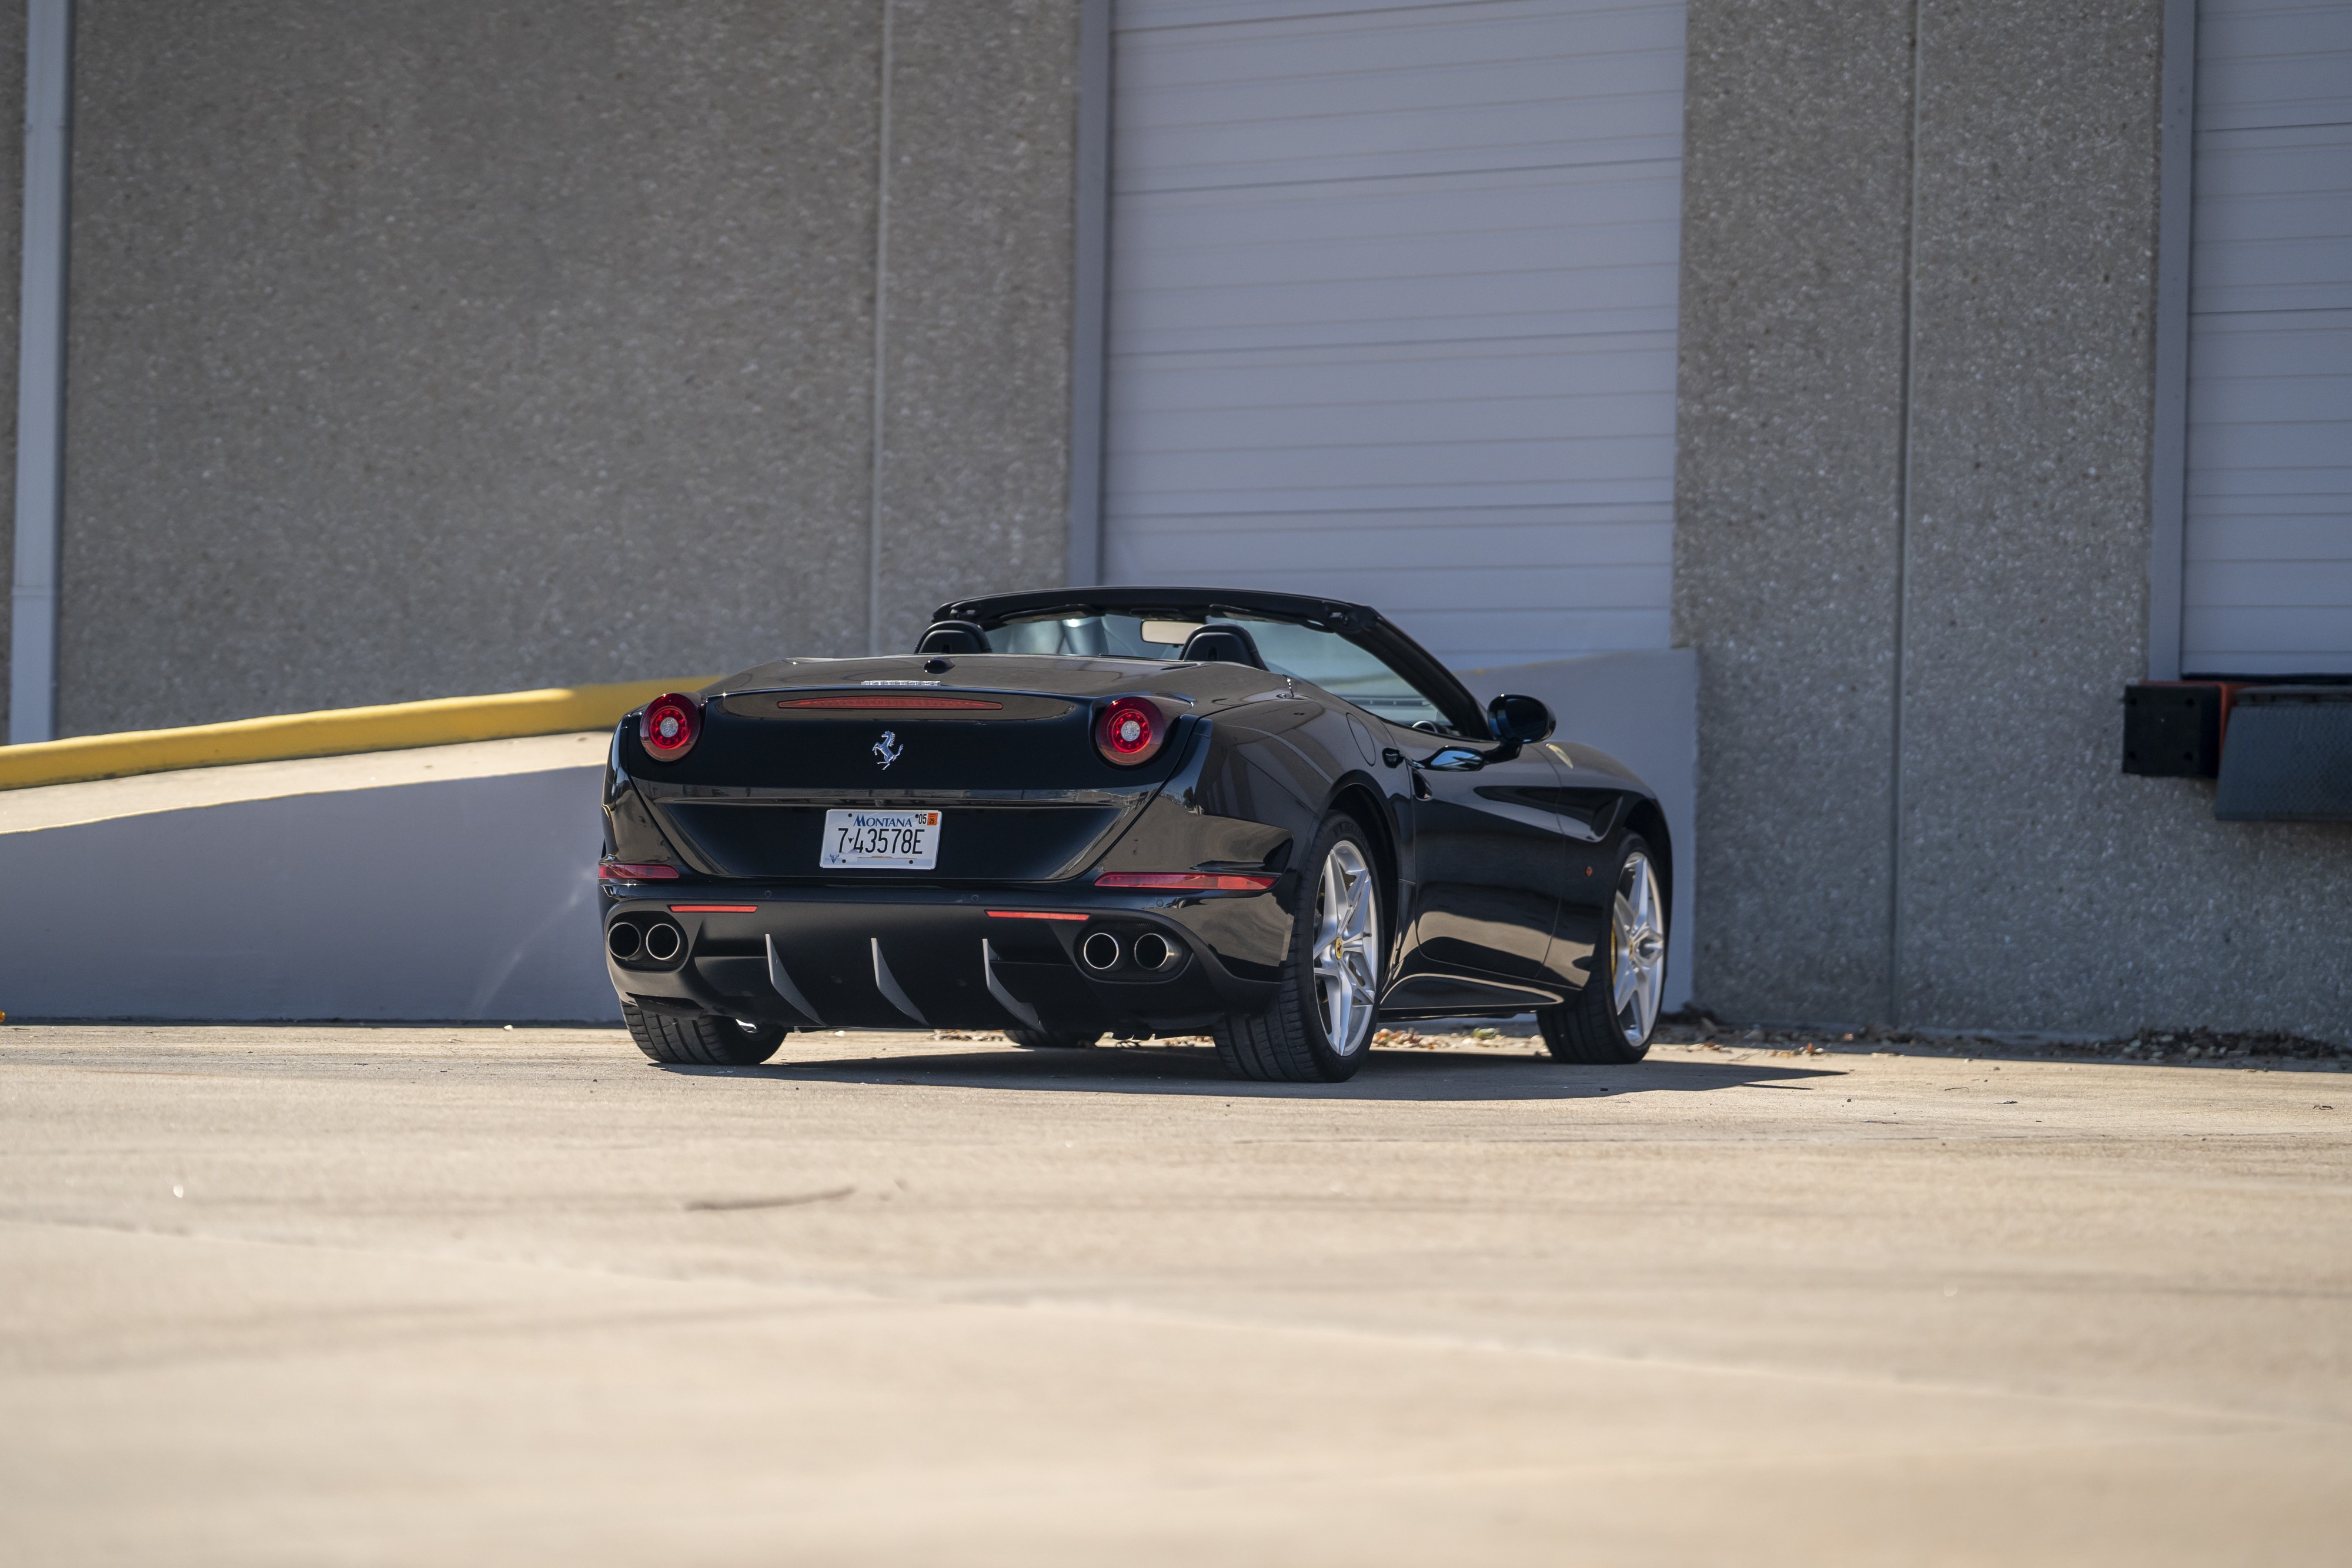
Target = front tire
(1612,1020)
(1319,1028)
(701,1039)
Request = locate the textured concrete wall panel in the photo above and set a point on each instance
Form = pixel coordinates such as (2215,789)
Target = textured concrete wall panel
(443,348)
(1788,490)
(2042,889)
(975,478)
(2034,886)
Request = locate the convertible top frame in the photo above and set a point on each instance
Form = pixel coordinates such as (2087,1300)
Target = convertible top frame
(1359,624)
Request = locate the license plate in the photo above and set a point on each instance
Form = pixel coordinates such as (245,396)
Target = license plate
(907,841)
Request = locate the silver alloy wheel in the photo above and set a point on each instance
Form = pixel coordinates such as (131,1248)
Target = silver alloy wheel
(1347,948)
(1638,930)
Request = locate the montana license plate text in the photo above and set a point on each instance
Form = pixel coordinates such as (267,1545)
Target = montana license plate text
(907,841)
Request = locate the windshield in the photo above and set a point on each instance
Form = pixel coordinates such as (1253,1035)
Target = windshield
(1324,659)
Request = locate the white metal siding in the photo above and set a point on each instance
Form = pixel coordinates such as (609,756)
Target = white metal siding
(2267,569)
(1392,310)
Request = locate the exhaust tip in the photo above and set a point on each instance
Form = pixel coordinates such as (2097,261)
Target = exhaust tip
(624,940)
(1153,951)
(1099,952)
(664,942)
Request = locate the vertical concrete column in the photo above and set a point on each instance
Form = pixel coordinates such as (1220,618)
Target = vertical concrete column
(1918,403)
(1788,490)
(2031,423)
(974,468)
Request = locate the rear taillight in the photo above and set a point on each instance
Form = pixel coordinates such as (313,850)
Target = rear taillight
(670,726)
(1130,730)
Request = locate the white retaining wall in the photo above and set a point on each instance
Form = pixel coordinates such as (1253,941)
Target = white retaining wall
(453,883)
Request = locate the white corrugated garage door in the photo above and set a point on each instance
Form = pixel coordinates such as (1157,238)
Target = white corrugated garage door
(2267,580)
(1392,310)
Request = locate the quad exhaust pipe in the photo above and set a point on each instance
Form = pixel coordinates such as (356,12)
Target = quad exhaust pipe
(1103,952)
(656,941)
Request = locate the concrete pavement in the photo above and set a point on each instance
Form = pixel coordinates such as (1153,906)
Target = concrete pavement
(401,1295)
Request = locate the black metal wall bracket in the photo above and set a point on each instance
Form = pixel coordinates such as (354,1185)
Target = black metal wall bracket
(2280,753)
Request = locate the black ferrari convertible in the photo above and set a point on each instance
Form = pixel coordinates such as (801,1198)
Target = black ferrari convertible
(1138,811)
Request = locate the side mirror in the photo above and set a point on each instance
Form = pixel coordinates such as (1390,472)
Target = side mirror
(1518,720)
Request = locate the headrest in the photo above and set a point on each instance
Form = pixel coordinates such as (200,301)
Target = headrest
(951,637)
(1221,643)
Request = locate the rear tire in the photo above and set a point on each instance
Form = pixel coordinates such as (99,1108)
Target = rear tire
(1612,1020)
(1051,1039)
(701,1039)
(1319,1028)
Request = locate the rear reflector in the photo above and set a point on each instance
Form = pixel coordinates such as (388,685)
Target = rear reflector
(635,871)
(897,702)
(1188,881)
(714,909)
(1030,915)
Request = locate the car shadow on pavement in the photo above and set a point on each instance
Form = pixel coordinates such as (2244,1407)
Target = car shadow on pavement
(1194,1070)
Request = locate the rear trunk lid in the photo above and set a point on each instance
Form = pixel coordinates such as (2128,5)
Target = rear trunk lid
(1022,792)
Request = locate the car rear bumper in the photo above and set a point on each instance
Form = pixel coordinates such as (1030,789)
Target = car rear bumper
(904,958)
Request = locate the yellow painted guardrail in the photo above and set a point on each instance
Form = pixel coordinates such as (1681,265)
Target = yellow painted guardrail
(335,732)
